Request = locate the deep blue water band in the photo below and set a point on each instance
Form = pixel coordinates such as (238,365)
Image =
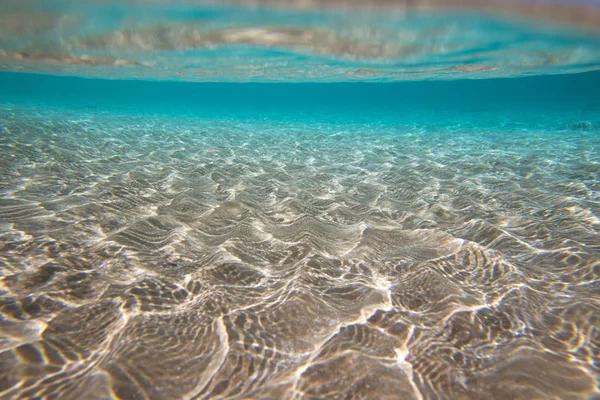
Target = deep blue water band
(521,97)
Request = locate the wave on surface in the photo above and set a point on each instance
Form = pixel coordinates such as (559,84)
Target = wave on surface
(207,42)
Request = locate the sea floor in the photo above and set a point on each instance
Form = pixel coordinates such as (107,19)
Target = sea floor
(178,256)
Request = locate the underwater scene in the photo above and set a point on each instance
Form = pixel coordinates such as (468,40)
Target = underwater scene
(302,199)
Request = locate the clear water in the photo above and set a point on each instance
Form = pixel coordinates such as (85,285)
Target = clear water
(309,233)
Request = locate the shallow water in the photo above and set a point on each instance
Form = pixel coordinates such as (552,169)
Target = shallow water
(420,240)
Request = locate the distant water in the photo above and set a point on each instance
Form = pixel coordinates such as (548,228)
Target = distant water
(308,234)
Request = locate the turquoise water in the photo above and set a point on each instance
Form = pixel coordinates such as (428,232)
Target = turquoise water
(288,227)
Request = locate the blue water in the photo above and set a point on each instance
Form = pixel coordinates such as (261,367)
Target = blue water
(545,101)
(289,227)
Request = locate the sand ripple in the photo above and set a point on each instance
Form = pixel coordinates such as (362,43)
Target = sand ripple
(189,258)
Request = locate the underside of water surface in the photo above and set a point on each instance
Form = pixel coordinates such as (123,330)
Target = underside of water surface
(266,202)
(225,42)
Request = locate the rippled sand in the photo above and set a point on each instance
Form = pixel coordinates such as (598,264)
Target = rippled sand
(150,257)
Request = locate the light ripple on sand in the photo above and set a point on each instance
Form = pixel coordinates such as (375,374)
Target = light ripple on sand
(228,270)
